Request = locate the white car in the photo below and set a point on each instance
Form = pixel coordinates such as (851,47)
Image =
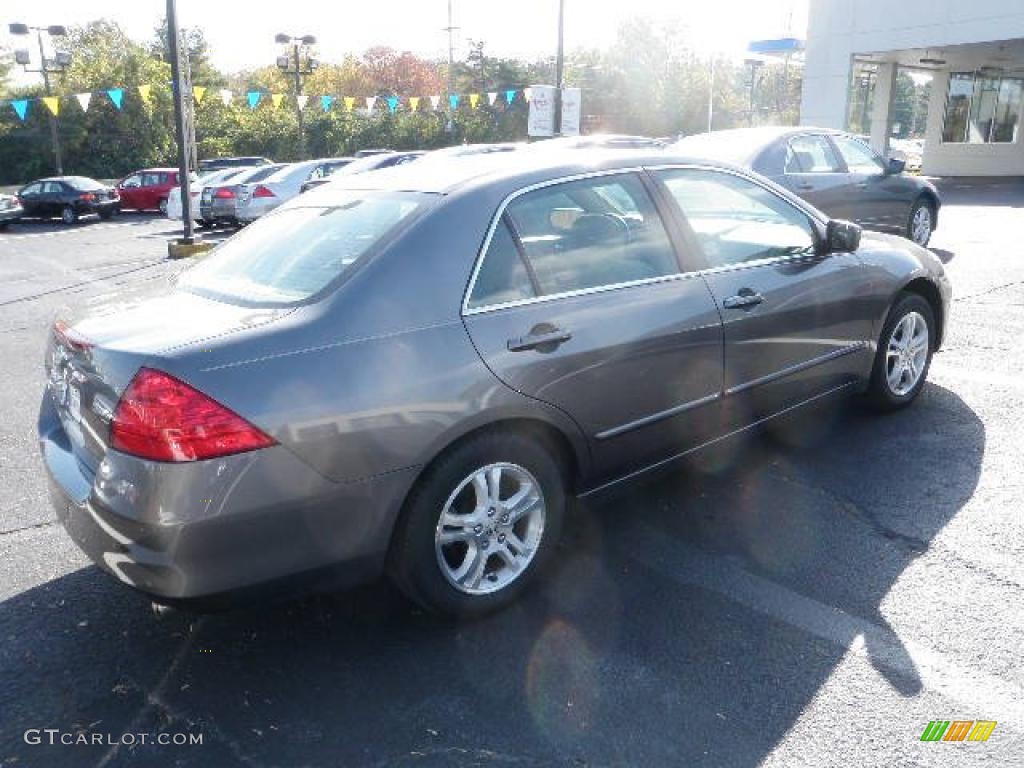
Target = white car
(256,199)
(195,190)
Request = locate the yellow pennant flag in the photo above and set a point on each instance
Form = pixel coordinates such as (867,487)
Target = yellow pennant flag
(52,103)
(277,98)
(414,103)
(474,99)
(145,91)
(198,91)
(350,102)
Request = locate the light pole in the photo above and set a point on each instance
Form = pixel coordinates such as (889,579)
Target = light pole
(58,63)
(559,67)
(450,29)
(180,79)
(298,66)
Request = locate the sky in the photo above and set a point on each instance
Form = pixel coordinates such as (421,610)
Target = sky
(241,32)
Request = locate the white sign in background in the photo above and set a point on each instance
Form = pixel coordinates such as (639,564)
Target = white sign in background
(541,121)
(572,103)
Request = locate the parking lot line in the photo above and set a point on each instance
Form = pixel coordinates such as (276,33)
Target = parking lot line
(72,230)
(681,563)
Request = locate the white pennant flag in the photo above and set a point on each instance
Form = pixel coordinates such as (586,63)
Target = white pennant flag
(492,97)
(434,102)
(225,96)
(370,102)
(83,100)
(301,99)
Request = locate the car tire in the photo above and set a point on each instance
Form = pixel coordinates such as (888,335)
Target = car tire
(162,207)
(4,225)
(68,215)
(107,215)
(430,549)
(921,222)
(204,224)
(904,353)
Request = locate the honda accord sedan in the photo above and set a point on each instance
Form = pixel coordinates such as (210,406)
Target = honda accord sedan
(413,371)
(833,171)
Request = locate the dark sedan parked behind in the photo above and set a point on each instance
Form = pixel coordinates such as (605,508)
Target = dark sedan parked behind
(414,369)
(833,171)
(68,197)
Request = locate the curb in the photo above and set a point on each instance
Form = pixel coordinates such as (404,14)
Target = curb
(178,250)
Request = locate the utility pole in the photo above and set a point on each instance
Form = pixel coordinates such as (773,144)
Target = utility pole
(559,67)
(299,68)
(711,92)
(450,29)
(58,63)
(179,80)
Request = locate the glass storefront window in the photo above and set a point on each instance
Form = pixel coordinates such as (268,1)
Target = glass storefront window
(982,108)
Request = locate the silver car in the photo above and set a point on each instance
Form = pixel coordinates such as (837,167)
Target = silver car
(413,370)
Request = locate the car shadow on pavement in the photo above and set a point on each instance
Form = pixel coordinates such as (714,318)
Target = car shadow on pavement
(681,627)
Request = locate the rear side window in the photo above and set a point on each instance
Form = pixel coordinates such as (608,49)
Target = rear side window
(503,275)
(291,255)
(811,154)
(585,234)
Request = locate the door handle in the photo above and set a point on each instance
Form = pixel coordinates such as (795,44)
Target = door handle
(805,187)
(550,337)
(862,185)
(745,299)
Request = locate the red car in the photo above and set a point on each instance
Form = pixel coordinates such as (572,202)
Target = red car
(147,190)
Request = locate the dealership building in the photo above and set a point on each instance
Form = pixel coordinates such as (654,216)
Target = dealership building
(973,50)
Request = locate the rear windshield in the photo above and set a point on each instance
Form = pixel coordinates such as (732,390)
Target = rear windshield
(82,183)
(292,254)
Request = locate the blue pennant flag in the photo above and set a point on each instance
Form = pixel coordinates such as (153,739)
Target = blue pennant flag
(454,100)
(116,96)
(21,107)
(510,96)
(326,101)
(392,103)
(254,98)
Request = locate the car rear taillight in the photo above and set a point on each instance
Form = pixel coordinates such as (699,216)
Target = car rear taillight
(162,418)
(262,191)
(224,193)
(87,197)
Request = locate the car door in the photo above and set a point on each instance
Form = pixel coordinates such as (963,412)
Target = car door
(878,198)
(580,301)
(813,171)
(53,198)
(128,190)
(796,323)
(31,199)
(149,191)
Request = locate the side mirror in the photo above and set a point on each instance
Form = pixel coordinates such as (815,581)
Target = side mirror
(895,166)
(841,236)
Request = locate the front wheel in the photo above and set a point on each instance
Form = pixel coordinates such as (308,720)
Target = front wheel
(921,222)
(482,523)
(904,353)
(68,215)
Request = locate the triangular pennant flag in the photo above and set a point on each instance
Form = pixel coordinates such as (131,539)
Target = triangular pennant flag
(277,98)
(225,96)
(116,96)
(301,100)
(474,99)
(392,104)
(53,104)
(326,101)
(492,96)
(83,100)
(510,96)
(254,98)
(414,103)
(21,107)
(198,91)
(453,99)
(527,93)
(435,102)
(350,102)
(145,91)
(371,102)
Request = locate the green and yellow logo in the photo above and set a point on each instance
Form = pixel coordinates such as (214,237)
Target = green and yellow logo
(958,730)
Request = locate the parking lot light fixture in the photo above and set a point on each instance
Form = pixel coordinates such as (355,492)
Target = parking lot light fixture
(298,62)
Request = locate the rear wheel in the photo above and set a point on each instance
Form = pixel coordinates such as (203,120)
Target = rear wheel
(68,215)
(3,226)
(163,207)
(480,526)
(904,353)
(107,214)
(921,221)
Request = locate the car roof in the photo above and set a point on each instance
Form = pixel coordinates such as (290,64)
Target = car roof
(742,145)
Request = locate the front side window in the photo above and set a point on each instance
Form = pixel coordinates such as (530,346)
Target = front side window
(135,180)
(982,108)
(295,253)
(811,154)
(858,158)
(591,233)
(737,221)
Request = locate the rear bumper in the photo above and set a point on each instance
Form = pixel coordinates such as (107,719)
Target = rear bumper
(100,206)
(219,529)
(11,214)
(255,208)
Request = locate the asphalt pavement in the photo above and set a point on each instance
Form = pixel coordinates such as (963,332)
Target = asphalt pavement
(813,596)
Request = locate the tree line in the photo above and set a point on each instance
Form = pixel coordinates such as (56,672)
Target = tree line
(650,81)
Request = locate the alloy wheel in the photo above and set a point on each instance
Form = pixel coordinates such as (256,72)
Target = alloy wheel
(921,226)
(67,215)
(490,528)
(906,353)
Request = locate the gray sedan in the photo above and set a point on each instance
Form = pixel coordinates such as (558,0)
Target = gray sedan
(414,370)
(834,171)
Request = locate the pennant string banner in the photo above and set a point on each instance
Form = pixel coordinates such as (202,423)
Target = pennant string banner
(53,104)
(392,104)
(21,107)
(276,98)
(225,96)
(326,101)
(83,100)
(254,99)
(116,96)
(350,103)
(198,91)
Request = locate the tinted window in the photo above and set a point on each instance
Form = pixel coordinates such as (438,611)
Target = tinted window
(295,253)
(736,220)
(132,181)
(503,276)
(32,189)
(859,158)
(811,154)
(150,179)
(591,233)
(82,183)
(53,188)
